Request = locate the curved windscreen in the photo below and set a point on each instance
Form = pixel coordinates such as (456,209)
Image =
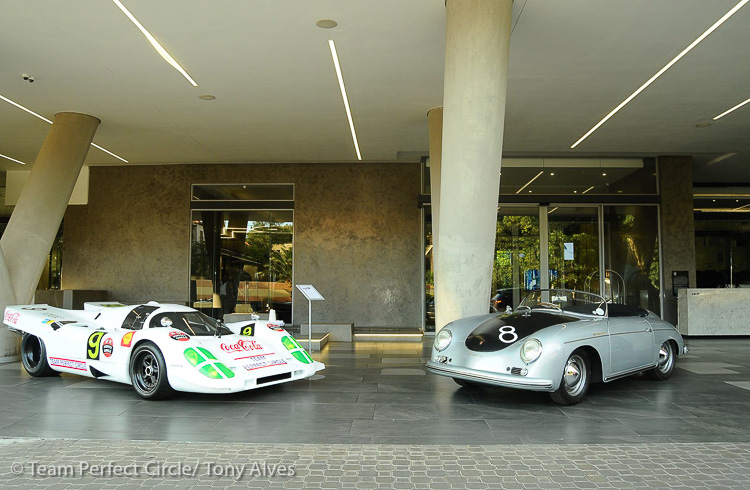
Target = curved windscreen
(564,300)
(192,323)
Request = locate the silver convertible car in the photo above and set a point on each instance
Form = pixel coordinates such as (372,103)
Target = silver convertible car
(556,340)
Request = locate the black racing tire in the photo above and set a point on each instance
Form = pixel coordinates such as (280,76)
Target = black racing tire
(665,366)
(576,379)
(148,372)
(34,357)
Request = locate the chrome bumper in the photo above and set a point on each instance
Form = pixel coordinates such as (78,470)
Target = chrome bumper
(505,380)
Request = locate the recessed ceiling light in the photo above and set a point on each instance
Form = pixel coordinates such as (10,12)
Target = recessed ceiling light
(575,192)
(703,125)
(12,159)
(552,174)
(207,97)
(158,47)
(732,109)
(604,174)
(340,76)
(16,104)
(651,80)
(529,192)
(326,23)
(714,200)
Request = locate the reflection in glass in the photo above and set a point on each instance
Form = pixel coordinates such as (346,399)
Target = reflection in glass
(722,254)
(574,248)
(631,256)
(241,262)
(516,267)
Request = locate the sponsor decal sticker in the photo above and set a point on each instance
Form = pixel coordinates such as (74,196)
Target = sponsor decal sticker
(94,345)
(113,305)
(28,308)
(275,328)
(127,339)
(242,345)
(11,317)
(181,336)
(67,363)
(47,321)
(262,361)
(247,331)
(107,347)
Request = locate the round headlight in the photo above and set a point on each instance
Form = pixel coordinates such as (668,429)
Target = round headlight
(443,339)
(531,350)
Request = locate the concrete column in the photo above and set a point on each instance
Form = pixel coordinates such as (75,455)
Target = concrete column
(435,124)
(677,226)
(36,218)
(476,74)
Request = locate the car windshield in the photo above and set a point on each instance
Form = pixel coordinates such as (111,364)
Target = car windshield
(190,322)
(564,300)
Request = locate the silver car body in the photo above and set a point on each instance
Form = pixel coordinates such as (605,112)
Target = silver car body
(618,339)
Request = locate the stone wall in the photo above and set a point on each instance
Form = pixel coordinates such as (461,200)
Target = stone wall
(357,234)
(677,226)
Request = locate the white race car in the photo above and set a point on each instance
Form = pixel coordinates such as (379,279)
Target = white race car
(158,348)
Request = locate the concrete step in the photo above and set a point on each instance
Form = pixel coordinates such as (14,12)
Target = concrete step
(388,335)
(318,341)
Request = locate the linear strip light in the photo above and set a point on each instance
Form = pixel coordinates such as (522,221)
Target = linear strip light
(584,192)
(16,104)
(12,159)
(529,182)
(158,47)
(721,158)
(661,72)
(732,109)
(742,207)
(340,76)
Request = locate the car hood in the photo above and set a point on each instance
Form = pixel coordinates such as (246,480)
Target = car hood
(491,336)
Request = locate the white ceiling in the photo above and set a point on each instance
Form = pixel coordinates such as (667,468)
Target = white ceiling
(277,97)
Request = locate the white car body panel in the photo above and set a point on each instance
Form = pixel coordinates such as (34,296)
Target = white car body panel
(92,343)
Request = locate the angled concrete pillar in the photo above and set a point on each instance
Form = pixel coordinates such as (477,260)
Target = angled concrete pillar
(36,218)
(476,74)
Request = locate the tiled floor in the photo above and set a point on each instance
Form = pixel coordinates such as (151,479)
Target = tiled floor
(378,394)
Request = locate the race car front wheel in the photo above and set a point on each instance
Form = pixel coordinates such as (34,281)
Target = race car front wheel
(575,380)
(148,372)
(34,357)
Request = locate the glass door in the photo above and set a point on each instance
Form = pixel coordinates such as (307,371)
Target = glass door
(574,249)
(516,268)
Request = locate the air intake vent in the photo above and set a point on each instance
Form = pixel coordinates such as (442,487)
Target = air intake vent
(275,377)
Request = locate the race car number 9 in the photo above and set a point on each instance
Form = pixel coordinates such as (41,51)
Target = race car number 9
(95,344)
(508,334)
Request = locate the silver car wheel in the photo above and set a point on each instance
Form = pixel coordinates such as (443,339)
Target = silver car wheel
(666,357)
(575,375)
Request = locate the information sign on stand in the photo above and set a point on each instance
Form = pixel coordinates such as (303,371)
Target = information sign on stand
(311,294)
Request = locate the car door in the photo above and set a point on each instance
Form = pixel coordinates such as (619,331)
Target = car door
(631,343)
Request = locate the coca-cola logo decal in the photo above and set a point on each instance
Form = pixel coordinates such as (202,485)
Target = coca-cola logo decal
(241,346)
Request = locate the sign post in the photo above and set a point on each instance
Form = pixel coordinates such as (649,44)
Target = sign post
(312,294)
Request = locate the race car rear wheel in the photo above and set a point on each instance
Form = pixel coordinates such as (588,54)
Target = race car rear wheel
(34,357)
(664,368)
(148,372)
(575,380)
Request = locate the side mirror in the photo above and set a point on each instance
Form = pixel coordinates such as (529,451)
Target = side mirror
(599,312)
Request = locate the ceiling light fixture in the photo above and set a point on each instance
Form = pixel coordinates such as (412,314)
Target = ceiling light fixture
(721,158)
(661,72)
(584,192)
(340,76)
(12,159)
(529,182)
(16,104)
(158,47)
(553,210)
(732,109)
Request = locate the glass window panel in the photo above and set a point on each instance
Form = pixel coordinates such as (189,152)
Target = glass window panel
(516,266)
(241,262)
(631,256)
(574,248)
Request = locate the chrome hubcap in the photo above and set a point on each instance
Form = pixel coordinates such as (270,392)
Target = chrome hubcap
(666,357)
(575,376)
